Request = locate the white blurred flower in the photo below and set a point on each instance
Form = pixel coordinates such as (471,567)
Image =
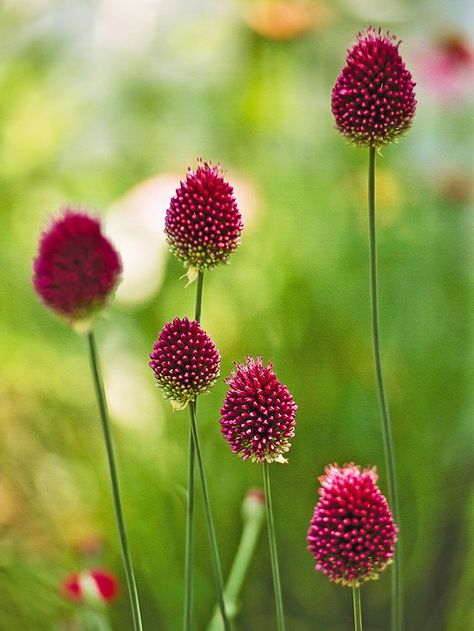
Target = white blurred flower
(136,226)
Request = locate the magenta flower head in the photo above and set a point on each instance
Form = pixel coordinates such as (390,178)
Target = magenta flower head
(258,414)
(185,361)
(373,101)
(77,268)
(352,534)
(203,223)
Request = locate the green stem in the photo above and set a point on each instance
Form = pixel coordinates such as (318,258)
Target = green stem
(104,417)
(386,424)
(188,563)
(357,609)
(198,306)
(210,523)
(273,549)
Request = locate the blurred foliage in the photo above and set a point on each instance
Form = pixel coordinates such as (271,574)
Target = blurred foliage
(96,96)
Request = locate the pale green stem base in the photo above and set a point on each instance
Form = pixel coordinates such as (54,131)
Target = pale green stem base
(104,417)
(243,557)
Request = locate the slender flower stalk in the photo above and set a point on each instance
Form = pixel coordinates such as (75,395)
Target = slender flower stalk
(397,605)
(188,554)
(373,103)
(104,417)
(280,617)
(210,522)
(188,567)
(357,609)
(193,448)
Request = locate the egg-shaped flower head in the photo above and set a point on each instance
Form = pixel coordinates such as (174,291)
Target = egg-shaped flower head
(258,414)
(76,268)
(185,361)
(203,223)
(352,534)
(373,101)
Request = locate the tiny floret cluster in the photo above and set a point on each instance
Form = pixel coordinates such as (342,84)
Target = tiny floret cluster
(352,534)
(76,267)
(258,414)
(185,361)
(203,223)
(373,101)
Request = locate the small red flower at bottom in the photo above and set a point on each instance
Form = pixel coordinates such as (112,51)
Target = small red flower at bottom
(352,534)
(93,585)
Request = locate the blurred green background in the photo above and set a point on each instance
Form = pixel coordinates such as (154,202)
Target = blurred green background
(104,104)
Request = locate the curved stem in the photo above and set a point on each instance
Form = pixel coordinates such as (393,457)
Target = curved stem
(273,549)
(385,415)
(243,557)
(210,522)
(104,417)
(188,563)
(357,609)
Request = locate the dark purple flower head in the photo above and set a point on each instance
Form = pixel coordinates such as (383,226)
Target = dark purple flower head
(258,414)
(185,361)
(76,268)
(352,534)
(203,223)
(373,101)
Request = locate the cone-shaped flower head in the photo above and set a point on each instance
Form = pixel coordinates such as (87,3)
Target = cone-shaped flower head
(76,268)
(203,223)
(185,361)
(373,101)
(94,586)
(258,414)
(352,534)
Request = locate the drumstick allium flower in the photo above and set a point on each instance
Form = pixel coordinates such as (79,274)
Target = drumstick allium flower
(77,267)
(258,420)
(258,414)
(352,534)
(185,361)
(373,101)
(203,223)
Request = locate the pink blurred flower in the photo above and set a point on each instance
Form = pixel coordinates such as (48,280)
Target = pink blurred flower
(446,67)
(77,267)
